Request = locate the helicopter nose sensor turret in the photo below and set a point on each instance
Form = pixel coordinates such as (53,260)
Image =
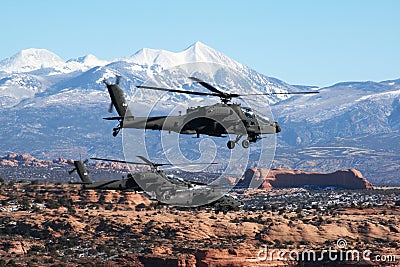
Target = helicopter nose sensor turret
(277,127)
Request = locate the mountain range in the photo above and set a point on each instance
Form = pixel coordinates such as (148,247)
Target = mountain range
(52,107)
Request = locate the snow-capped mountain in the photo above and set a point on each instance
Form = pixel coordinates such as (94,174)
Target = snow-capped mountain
(85,63)
(46,62)
(198,52)
(149,65)
(30,59)
(52,107)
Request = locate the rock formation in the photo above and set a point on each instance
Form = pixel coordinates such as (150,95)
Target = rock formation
(283,178)
(15,160)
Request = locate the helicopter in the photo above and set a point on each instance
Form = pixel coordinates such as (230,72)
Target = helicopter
(216,120)
(158,185)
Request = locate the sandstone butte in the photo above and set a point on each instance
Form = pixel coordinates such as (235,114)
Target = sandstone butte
(284,178)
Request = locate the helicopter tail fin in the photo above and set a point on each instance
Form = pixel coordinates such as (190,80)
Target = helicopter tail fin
(118,100)
(120,104)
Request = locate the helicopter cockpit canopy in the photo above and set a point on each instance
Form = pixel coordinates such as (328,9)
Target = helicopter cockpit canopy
(176,178)
(253,114)
(248,112)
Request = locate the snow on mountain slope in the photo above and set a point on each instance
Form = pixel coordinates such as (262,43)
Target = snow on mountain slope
(88,72)
(84,63)
(330,102)
(47,77)
(16,87)
(198,59)
(68,98)
(339,112)
(30,59)
(197,52)
(47,63)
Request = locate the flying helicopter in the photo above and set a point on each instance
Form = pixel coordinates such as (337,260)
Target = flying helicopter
(216,120)
(157,185)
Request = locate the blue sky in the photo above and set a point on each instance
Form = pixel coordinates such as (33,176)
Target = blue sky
(301,42)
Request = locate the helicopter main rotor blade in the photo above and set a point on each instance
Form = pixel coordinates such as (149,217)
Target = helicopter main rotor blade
(225,97)
(148,162)
(288,93)
(180,164)
(208,86)
(152,163)
(71,171)
(145,160)
(121,161)
(176,90)
(223,94)
(296,93)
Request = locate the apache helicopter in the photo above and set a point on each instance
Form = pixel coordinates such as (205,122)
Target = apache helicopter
(157,183)
(214,120)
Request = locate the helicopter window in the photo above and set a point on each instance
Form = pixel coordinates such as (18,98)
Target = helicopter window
(248,113)
(174,177)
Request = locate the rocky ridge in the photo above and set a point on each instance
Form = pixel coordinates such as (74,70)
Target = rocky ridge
(284,178)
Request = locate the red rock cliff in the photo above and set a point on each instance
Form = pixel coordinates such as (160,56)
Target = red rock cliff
(280,178)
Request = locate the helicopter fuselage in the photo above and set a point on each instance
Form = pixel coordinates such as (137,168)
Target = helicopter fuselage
(172,189)
(214,120)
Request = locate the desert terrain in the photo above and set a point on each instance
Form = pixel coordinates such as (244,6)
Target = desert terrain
(58,224)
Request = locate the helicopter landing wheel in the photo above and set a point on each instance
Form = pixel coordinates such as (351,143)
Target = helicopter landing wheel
(231,144)
(116,131)
(245,143)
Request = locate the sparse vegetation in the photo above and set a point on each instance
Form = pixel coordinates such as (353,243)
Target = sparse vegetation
(64,223)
